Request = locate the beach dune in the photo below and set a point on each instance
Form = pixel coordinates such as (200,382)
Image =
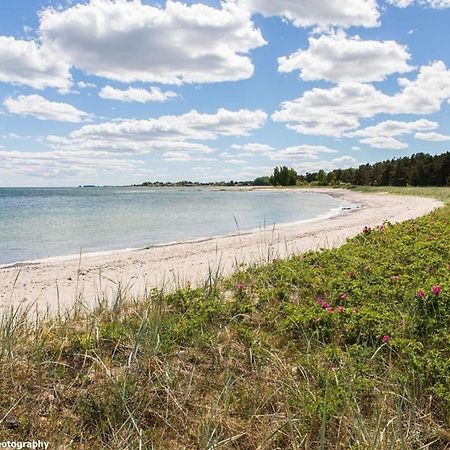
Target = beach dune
(59,284)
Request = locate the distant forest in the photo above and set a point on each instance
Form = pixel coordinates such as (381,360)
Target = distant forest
(417,170)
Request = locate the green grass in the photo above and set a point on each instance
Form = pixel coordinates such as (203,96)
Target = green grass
(440,193)
(256,361)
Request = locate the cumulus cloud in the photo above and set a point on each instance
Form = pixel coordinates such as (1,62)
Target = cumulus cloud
(340,162)
(85,85)
(437,4)
(433,137)
(296,152)
(27,63)
(323,13)
(335,111)
(131,94)
(192,125)
(386,142)
(184,156)
(50,164)
(383,135)
(173,134)
(43,109)
(130,41)
(338,58)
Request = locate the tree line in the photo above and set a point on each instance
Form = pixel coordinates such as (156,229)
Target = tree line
(417,170)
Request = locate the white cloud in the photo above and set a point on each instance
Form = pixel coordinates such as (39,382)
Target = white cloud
(339,59)
(136,95)
(173,134)
(300,152)
(383,135)
(85,85)
(192,125)
(345,159)
(130,41)
(51,164)
(335,111)
(183,156)
(303,151)
(253,147)
(324,13)
(26,63)
(437,4)
(433,137)
(327,165)
(43,109)
(386,142)
(401,3)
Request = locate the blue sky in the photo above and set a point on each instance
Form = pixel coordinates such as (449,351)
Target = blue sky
(118,92)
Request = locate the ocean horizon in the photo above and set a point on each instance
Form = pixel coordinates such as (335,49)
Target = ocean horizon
(41,223)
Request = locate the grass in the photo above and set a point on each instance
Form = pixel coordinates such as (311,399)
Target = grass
(329,350)
(440,193)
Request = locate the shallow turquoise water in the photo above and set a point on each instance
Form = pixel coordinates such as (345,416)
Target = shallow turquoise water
(37,223)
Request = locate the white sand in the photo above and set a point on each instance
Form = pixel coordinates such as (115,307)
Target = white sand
(52,282)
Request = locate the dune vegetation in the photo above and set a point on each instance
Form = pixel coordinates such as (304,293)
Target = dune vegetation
(336,349)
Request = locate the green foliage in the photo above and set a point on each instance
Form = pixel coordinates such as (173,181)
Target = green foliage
(417,170)
(283,176)
(262,181)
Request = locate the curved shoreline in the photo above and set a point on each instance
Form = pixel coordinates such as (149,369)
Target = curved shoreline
(333,212)
(53,285)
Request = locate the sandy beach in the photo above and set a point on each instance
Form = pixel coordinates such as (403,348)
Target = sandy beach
(60,283)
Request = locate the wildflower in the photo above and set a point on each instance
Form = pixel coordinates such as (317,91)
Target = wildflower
(344,296)
(340,309)
(367,269)
(386,338)
(395,278)
(367,230)
(436,290)
(240,286)
(351,275)
(421,293)
(330,309)
(325,305)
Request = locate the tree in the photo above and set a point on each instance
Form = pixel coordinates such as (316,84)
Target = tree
(262,181)
(283,176)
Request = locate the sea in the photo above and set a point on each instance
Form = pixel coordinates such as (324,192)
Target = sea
(41,223)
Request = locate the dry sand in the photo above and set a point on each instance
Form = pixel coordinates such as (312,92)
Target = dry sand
(54,284)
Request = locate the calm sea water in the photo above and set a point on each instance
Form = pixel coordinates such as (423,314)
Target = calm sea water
(37,223)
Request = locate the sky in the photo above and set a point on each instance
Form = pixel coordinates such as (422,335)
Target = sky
(127,91)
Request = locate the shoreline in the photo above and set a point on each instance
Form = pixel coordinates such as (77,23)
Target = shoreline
(59,282)
(333,212)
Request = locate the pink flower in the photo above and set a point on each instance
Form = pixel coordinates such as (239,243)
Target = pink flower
(344,296)
(367,230)
(340,309)
(386,338)
(240,286)
(395,278)
(421,293)
(330,309)
(436,290)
